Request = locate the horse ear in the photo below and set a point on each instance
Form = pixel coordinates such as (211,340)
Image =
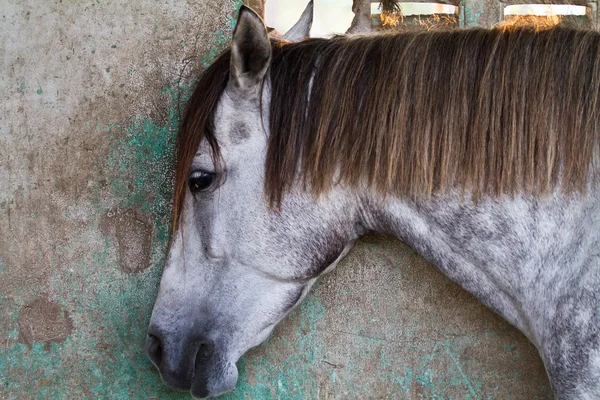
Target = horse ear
(301,30)
(361,23)
(250,51)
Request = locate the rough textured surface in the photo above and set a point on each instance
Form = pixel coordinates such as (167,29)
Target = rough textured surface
(43,321)
(484,13)
(91,97)
(386,324)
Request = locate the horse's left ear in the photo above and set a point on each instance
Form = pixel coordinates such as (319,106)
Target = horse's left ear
(250,52)
(301,30)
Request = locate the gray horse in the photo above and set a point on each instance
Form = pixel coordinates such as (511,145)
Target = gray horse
(289,152)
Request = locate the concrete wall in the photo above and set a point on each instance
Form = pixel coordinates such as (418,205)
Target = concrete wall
(90,101)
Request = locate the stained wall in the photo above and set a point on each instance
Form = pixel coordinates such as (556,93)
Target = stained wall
(91,97)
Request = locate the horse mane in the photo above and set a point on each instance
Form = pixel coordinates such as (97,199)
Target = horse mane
(514,109)
(198,124)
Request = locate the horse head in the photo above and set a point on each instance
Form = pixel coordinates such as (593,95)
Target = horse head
(236,266)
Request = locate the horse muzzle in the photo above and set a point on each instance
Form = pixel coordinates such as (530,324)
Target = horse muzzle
(190,363)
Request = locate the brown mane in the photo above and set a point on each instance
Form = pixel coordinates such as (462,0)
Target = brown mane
(197,124)
(500,111)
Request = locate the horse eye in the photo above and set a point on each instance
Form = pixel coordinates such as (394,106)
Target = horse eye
(200,180)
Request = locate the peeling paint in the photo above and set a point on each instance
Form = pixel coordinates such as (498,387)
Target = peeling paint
(101,353)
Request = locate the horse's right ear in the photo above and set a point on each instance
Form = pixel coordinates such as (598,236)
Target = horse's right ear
(250,51)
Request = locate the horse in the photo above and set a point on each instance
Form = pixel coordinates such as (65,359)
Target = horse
(479,148)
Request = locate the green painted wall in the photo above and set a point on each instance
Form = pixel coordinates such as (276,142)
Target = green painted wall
(91,97)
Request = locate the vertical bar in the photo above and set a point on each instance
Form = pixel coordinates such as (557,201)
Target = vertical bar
(592,13)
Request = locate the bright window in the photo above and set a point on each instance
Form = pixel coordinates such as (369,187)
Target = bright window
(544,9)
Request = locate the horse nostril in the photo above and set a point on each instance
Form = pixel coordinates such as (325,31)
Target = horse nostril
(154,349)
(205,351)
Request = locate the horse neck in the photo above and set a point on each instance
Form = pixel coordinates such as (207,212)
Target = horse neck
(492,249)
